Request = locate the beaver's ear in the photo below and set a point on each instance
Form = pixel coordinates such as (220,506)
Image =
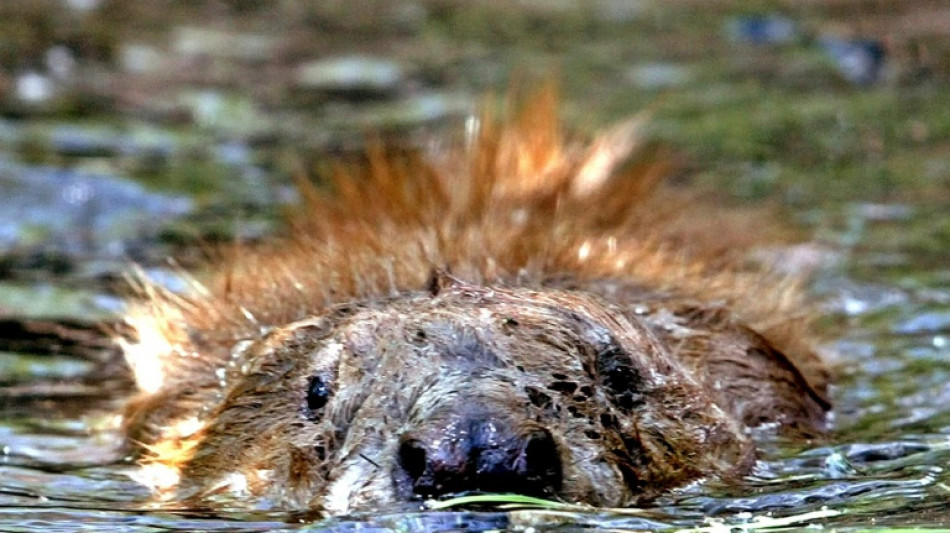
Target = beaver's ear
(439,280)
(782,393)
(608,154)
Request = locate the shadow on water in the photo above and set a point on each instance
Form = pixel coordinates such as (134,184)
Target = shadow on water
(131,134)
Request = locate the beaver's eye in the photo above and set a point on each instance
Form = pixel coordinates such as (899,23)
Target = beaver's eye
(318,394)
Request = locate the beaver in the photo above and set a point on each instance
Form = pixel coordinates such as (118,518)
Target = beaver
(524,313)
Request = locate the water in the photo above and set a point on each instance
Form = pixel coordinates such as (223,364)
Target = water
(202,124)
(884,463)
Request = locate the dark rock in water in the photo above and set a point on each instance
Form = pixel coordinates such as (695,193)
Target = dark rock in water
(762,30)
(933,322)
(82,142)
(354,76)
(883,212)
(234,153)
(138,58)
(659,75)
(407,113)
(193,41)
(71,140)
(76,212)
(859,61)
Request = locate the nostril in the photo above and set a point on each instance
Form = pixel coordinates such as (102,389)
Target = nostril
(540,447)
(412,458)
(542,463)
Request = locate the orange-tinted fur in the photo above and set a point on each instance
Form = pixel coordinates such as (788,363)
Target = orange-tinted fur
(519,201)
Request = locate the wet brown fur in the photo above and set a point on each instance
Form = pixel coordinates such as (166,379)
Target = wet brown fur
(528,224)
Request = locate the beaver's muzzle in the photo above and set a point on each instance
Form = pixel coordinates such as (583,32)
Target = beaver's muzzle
(476,451)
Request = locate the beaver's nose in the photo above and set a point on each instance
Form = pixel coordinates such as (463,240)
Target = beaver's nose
(482,456)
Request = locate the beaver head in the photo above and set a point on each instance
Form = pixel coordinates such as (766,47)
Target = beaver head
(462,388)
(615,340)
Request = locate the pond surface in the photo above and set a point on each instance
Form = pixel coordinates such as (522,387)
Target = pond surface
(134,134)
